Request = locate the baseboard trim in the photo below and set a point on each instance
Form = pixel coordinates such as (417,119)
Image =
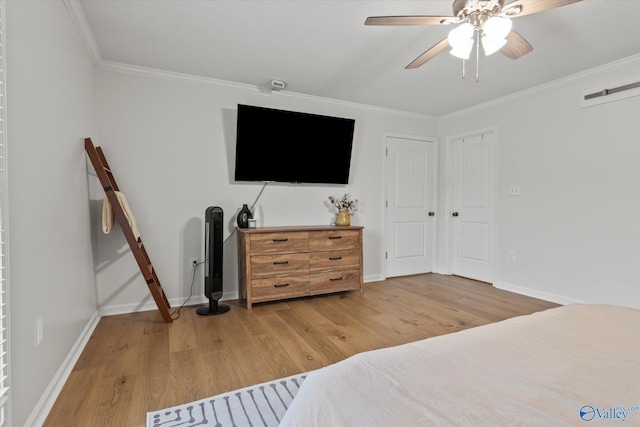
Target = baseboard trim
(113,310)
(43,407)
(534,293)
(374,278)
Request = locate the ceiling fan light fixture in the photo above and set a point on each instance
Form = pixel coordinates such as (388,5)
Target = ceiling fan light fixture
(492,45)
(497,27)
(464,51)
(459,37)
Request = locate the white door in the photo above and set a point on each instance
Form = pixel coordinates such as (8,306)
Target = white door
(410,206)
(473,223)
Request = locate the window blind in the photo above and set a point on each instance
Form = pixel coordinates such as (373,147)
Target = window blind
(4,282)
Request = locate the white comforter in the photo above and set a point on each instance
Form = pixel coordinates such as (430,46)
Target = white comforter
(572,365)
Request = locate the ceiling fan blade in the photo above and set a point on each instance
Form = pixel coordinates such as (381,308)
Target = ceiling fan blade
(439,47)
(520,8)
(410,20)
(516,46)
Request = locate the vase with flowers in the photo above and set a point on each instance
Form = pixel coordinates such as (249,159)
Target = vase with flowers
(346,207)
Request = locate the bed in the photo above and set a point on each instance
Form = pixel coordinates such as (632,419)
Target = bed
(571,365)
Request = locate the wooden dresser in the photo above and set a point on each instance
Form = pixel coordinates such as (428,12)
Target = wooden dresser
(276,263)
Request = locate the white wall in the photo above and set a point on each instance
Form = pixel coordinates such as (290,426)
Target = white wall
(576,226)
(49,110)
(171,145)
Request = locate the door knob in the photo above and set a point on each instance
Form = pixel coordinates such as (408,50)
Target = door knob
(454,214)
(432,213)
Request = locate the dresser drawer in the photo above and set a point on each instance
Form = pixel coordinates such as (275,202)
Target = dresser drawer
(277,243)
(334,260)
(334,281)
(275,288)
(276,263)
(334,239)
(279,265)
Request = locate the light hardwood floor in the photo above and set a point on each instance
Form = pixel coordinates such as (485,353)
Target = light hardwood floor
(135,363)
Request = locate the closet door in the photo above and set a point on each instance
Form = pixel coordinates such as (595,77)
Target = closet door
(410,206)
(472,214)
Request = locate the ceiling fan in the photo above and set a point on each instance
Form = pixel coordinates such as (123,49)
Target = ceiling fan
(488,20)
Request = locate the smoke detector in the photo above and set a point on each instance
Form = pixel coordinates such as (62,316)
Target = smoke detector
(277,84)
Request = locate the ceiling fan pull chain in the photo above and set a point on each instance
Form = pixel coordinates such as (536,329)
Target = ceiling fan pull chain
(477,56)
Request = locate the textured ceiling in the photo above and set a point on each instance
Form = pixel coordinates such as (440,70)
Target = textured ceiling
(322,48)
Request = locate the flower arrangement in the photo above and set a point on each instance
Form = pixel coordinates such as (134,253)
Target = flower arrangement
(344,204)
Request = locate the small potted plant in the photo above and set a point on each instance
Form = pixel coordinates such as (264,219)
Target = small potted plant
(346,207)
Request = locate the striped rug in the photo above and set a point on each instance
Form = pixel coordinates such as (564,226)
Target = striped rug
(259,405)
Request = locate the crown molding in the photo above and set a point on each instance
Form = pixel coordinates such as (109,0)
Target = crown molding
(609,67)
(80,21)
(119,67)
(137,70)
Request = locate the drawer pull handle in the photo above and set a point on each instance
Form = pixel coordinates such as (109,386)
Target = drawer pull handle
(282,285)
(336,279)
(280,240)
(335,258)
(280,262)
(335,237)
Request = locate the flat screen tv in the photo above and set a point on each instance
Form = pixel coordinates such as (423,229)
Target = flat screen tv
(288,146)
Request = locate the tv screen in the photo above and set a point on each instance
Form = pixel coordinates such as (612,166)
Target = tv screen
(289,146)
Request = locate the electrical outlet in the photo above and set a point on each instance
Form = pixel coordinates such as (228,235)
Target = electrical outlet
(512,256)
(39,331)
(194,263)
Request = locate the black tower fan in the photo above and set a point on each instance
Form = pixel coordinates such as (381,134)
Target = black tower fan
(213,262)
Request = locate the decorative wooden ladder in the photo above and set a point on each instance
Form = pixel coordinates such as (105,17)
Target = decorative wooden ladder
(137,248)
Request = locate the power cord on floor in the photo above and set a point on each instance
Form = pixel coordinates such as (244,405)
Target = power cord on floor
(195,266)
(193,281)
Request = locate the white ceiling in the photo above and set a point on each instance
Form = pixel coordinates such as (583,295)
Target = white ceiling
(322,48)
